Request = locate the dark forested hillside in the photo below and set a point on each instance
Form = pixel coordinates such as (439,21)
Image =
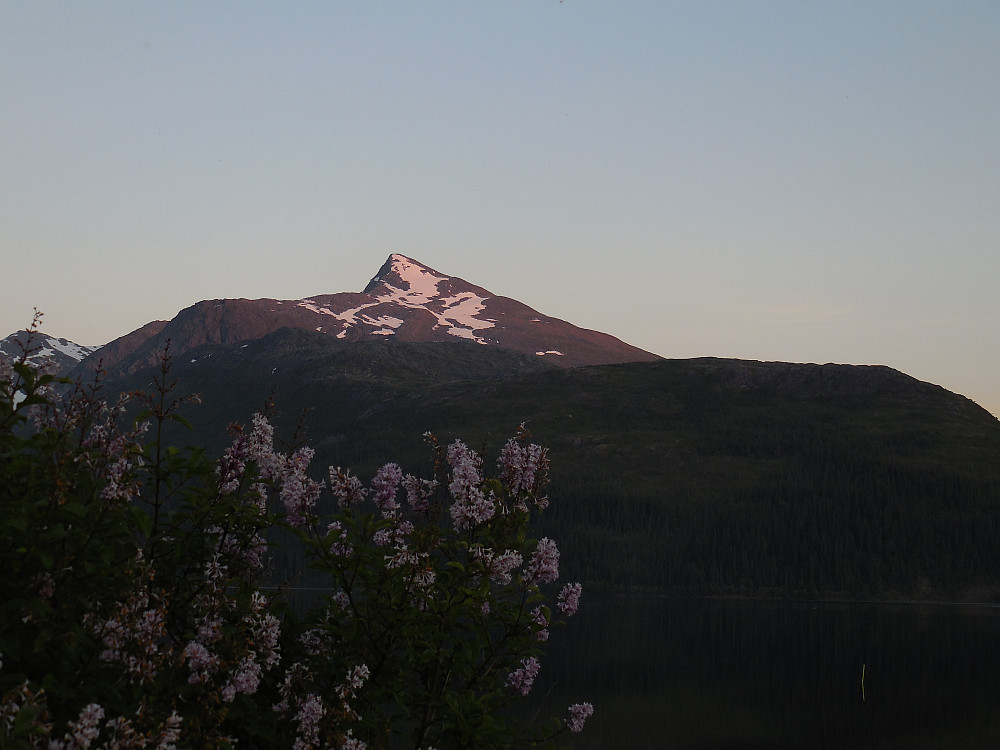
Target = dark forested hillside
(685,476)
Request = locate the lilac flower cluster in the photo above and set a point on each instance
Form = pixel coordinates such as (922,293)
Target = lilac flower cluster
(499,567)
(260,448)
(522,678)
(112,453)
(86,728)
(120,733)
(355,679)
(523,469)
(336,540)
(578,715)
(132,635)
(249,551)
(308,717)
(346,487)
(202,662)
(470,506)
(393,535)
(231,466)
(418,492)
(543,567)
(187,627)
(385,485)
(350,742)
(569,599)
(31,702)
(264,631)
(539,618)
(299,493)
(308,710)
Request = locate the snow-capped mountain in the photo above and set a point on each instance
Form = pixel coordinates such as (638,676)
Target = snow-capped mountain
(56,355)
(405,300)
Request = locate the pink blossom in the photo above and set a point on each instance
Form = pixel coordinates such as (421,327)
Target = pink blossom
(170,733)
(308,717)
(232,465)
(523,469)
(355,679)
(538,615)
(424,576)
(470,507)
(523,678)
(266,633)
(315,641)
(498,566)
(132,635)
(260,448)
(345,487)
(418,492)
(201,662)
(209,629)
(341,599)
(245,680)
(124,735)
(544,564)
(299,493)
(294,676)
(349,742)
(578,715)
(216,572)
(569,599)
(337,539)
(252,552)
(386,484)
(86,728)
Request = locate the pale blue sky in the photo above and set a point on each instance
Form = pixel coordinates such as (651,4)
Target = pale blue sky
(808,182)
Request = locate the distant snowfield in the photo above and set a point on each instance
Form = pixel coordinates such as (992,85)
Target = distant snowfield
(456,313)
(46,350)
(70,349)
(49,346)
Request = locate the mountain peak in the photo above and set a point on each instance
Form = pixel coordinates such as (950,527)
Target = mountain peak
(403,274)
(405,300)
(43,350)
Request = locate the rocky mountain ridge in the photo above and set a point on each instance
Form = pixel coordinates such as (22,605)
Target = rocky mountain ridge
(405,300)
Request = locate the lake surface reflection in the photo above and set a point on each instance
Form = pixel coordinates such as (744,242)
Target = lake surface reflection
(703,674)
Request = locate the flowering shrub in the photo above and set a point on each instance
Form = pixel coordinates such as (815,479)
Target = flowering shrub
(133,612)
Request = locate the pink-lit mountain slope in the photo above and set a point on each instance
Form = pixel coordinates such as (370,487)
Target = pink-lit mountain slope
(405,300)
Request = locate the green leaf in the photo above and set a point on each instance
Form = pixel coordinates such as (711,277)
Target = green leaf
(47,560)
(24,720)
(18,524)
(76,509)
(141,519)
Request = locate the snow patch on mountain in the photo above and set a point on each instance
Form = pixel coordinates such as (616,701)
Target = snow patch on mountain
(421,283)
(44,347)
(417,288)
(74,351)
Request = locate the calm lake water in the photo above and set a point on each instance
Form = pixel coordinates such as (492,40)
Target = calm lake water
(705,674)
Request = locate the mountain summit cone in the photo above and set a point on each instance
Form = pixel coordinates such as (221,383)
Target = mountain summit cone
(405,300)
